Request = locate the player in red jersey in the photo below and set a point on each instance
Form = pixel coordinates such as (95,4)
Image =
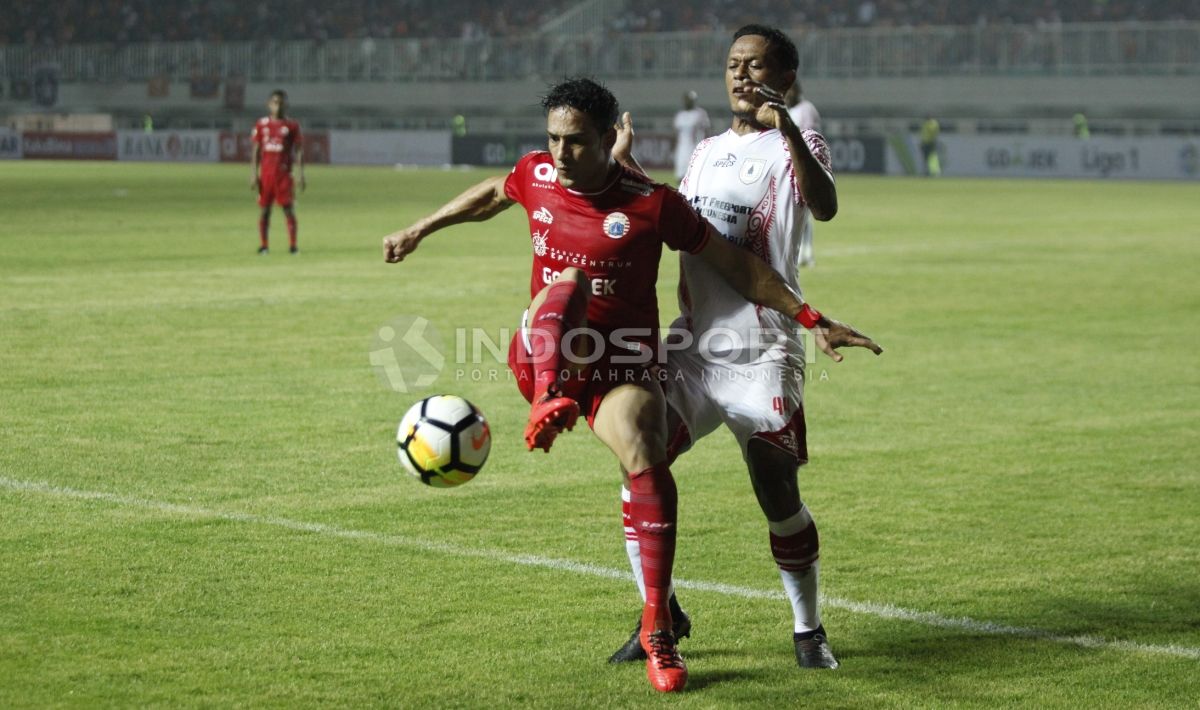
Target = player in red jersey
(597,231)
(276,139)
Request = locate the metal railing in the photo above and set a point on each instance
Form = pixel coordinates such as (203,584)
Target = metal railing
(1152,48)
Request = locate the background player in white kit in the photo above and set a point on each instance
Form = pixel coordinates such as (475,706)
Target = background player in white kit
(803,112)
(806,117)
(691,126)
(758,184)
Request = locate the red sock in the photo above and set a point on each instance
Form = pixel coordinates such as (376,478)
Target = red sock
(564,308)
(796,551)
(263,222)
(291,224)
(653,507)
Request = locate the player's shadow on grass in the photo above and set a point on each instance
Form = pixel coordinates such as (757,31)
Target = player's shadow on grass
(1160,608)
(710,666)
(699,680)
(1159,612)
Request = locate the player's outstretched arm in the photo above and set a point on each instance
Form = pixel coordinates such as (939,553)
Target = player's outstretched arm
(476,204)
(759,283)
(815,183)
(622,150)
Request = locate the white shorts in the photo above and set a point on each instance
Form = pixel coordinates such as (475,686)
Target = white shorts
(763,400)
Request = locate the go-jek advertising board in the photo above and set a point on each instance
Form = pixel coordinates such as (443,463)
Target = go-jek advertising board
(1109,158)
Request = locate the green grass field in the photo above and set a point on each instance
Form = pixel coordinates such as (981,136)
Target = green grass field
(200,503)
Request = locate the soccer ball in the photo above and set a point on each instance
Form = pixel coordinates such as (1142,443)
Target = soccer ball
(443,440)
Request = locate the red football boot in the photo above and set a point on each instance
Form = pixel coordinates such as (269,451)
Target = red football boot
(548,417)
(664,666)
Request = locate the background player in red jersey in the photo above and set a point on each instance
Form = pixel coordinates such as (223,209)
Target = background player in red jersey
(276,138)
(597,231)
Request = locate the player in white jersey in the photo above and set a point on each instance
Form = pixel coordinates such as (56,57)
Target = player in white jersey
(758,184)
(691,126)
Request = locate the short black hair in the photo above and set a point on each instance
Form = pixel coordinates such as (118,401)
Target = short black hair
(587,96)
(782,48)
(280,93)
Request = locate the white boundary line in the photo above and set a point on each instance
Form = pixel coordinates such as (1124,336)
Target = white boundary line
(886,611)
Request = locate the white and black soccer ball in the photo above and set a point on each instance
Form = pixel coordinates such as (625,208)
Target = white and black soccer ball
(443,440)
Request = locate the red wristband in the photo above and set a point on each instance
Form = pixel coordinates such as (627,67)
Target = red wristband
(808,316)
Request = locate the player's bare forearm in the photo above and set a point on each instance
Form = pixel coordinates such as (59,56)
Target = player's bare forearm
(815,183)
(750,276)
(478,203)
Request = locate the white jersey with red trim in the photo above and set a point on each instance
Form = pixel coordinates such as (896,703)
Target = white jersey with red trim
(744,185)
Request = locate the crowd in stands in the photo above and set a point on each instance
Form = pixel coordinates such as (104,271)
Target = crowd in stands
(37,22)
(727,14)
(124,21)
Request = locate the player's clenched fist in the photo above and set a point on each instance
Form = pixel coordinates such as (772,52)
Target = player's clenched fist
(399,245)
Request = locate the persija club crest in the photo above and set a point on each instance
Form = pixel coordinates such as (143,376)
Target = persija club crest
(539,242)
(616,225)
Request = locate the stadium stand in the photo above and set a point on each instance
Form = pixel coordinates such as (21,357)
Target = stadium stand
(123,21)
(988,66)
(33,22)
(702,15)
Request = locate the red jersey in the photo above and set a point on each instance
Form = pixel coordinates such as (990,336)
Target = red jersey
(615,236)
(279,137)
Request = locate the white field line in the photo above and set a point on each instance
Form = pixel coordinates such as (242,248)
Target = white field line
(886,611)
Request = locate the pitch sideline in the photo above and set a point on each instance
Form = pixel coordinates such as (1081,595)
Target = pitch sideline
(886,611)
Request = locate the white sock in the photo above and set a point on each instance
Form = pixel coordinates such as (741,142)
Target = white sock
(800,585)
(632,549)
(801,588)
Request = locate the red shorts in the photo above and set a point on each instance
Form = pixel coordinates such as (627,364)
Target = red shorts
(275,188)
(591,386)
